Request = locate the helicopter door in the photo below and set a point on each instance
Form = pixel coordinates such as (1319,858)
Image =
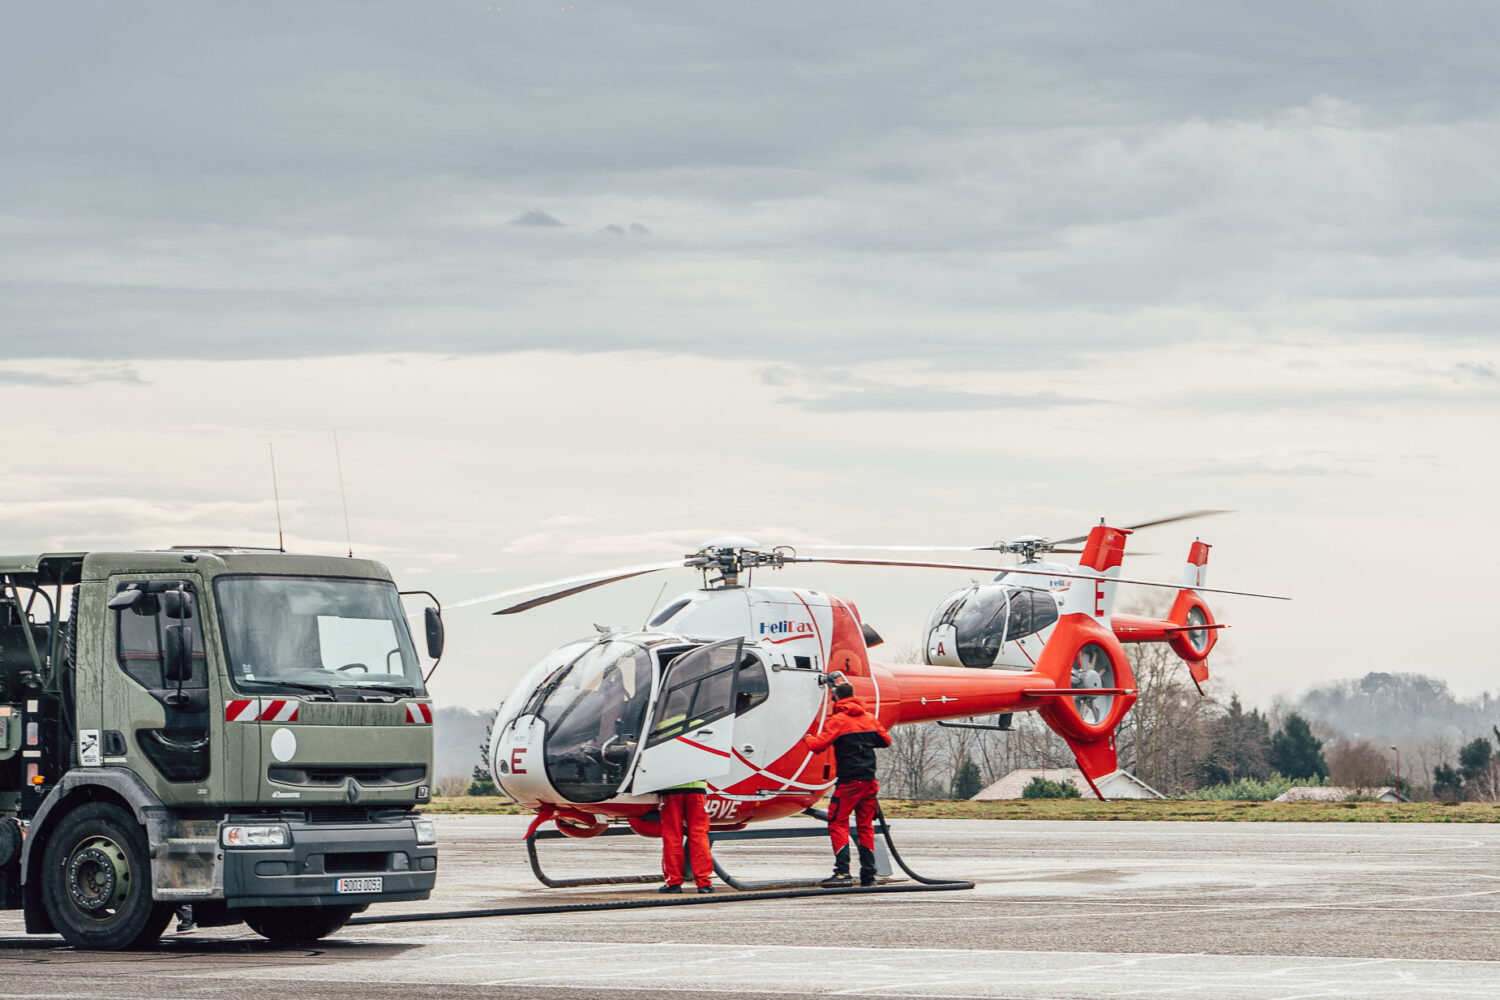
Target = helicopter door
(691,725)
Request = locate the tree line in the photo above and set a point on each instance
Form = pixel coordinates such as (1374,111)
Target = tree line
(1185,744)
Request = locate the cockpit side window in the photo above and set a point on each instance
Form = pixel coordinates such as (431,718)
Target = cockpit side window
(697,691)
(753,687)
(1043,610)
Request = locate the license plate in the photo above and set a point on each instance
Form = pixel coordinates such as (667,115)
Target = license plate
(359,885)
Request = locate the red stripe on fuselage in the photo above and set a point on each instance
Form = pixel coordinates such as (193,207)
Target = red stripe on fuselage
(699,746)
(817,631)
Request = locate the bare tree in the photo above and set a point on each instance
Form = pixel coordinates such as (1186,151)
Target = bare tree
(1166,736)
(907,769)
(1357,764)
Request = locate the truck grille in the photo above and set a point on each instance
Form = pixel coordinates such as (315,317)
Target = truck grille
(336,775)
(360,861)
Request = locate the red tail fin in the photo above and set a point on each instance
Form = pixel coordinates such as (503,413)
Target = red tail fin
(1193,645)
(1095,759)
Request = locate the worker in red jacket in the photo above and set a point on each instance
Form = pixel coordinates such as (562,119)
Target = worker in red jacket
(855,734)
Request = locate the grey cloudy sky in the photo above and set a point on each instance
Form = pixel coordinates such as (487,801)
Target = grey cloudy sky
(878,272)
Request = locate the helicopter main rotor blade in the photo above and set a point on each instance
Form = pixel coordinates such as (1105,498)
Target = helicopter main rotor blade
(896,548)
(537,602)
(1076,539)
(938,548)
(586,581)
(1025,572)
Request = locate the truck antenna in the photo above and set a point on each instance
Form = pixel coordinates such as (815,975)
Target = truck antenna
(276,495)
(339,461)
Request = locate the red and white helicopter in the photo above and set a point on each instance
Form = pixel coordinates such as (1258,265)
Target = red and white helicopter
(724,681)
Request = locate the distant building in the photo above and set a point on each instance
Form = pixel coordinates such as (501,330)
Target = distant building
(1335,793)
(1119,785)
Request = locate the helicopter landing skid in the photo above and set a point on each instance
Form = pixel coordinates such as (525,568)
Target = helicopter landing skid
(885,853)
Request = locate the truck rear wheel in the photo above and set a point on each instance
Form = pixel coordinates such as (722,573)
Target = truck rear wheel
(296,923)
(96,881)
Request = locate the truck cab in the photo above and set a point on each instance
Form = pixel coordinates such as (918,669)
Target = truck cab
(244,731)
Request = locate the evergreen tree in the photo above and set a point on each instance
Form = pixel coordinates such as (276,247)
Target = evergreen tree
(1296,752)
(1447,783)
(481,782)
(1239,747)
(966,780)
(1042,788)
(1474,766)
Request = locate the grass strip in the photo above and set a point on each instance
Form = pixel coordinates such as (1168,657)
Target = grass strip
(1172,810)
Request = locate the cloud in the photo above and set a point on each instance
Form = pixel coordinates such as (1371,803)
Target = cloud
(1029,190)
(79,376)
(534,217)
(844,391)
(927,399)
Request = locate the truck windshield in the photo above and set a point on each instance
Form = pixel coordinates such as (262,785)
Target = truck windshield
(298,633)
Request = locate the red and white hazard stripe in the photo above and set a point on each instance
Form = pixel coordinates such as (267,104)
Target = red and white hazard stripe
(261,710)
(419,712)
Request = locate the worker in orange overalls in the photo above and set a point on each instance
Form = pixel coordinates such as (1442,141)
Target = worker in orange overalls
(855,734)
(683,810)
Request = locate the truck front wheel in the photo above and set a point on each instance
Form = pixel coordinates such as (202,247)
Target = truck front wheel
(96,881)
(296,923)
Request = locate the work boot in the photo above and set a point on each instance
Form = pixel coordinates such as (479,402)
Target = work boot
(670,888)
(866,879)
(705,889)
(838,880)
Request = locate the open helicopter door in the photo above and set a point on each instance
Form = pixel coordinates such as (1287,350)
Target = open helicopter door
(691,725)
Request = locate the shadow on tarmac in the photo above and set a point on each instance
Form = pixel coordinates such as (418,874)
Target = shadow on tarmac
(46,949)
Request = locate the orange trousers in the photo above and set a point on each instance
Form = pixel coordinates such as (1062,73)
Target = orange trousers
(683,814)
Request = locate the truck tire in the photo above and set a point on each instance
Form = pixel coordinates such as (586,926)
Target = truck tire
(296,923)
(96,880)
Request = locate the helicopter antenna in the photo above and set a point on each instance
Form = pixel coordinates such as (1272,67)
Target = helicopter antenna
(343,494)
(647,620)
(276,495)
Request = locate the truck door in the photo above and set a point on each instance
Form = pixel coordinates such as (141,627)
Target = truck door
(158,698)
(691,723)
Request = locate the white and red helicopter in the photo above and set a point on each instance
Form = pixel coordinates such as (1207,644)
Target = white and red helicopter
(723,682)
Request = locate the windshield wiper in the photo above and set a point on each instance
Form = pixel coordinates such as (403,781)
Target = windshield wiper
(315,688)
(392,688)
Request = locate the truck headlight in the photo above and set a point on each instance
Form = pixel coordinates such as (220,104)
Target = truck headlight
(246,835)
(426,831)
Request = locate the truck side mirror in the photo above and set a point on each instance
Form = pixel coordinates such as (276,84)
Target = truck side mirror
(175,605)
(433,619)
(177,653)
(125,599)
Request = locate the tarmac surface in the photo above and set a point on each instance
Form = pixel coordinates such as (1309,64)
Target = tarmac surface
(1270,911)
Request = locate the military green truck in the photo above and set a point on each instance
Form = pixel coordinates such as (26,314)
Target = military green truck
(243,731)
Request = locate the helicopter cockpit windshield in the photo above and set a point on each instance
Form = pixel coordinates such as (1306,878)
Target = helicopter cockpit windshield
(594,708)
(990,616)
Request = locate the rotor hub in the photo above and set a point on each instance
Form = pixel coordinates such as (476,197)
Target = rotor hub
(722,560)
